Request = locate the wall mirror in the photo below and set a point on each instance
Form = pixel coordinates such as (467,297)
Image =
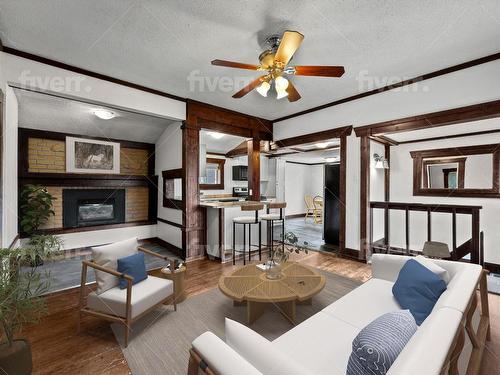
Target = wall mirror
(469,171)
(172,188)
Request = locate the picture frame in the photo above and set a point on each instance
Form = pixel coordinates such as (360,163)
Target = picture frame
(85,155)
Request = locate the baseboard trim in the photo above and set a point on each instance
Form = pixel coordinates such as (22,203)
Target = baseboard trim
(492,267)
(294,216)
(351,254)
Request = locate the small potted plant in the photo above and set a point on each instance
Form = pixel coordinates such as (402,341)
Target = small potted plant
(21,289)
(280,254)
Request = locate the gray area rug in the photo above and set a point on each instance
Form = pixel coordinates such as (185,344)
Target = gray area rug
(160,342)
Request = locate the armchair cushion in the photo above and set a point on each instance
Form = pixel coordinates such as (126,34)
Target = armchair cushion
(107,256)
(134,266)
(144,295)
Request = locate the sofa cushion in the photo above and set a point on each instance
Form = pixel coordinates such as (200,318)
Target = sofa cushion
(431,266)
(145,294)
(260,352)
(321,343)
(378,344)
(418,289)
(365,303)
(132,265)
(427,350)
(107,256)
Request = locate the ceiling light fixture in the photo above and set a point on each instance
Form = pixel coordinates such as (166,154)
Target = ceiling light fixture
(281,84)
(331,160)
(263,88)
(104,114)
(322,144)
(216,135)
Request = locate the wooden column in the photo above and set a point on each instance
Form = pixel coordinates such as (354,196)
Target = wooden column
(364,199)
(254,166)
(387,197)
(474,256)
(343,169)
(193,235)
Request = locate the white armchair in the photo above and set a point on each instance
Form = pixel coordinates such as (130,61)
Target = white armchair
(125,305)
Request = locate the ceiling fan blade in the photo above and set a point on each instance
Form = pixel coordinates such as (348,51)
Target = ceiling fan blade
(252,85)
(232,64)
(290,42)
(319,71)
(293,94)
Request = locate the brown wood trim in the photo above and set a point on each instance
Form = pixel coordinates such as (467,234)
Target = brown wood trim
(364,201)
(170,175)
(219,186)
(473,112)
(492,267)
(491,131)
(84,180)
(460,171)
(386,141)
(312,137)
(92,228)
(13,242)
(387,174)
(170,247)
(434,207)
(254,168)
(352,254)
(172,223)
(301,163)
(407,82)
(342,193)
(419,172)
(294,216)
(72,68)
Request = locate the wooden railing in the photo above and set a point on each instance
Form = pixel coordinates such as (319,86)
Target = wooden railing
(473,246)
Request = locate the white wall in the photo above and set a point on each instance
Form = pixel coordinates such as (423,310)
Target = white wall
(301,180)
(9,173)
(22,72)
(402,191)
(440,93)
(169,156)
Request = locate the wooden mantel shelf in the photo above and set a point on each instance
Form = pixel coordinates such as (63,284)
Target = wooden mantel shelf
(91,180)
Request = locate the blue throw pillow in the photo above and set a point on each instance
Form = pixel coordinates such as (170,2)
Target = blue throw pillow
(134,266)
(377,346)
(418,289)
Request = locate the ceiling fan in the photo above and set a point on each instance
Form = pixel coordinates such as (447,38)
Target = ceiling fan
(274,61)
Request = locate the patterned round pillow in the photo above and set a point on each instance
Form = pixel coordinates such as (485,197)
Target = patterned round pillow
(377,346)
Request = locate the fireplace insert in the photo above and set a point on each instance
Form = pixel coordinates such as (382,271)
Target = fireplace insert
(88,207)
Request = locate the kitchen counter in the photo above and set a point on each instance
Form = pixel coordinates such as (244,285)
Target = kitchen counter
(222,204)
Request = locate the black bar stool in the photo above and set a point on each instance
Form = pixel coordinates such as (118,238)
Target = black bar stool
(248,220)
(271,218)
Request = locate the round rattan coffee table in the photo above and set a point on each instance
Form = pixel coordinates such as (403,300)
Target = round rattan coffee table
(249,285)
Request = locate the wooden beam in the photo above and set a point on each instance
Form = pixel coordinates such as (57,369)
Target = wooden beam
(342,193)
(312,137)
(483,132)
(364,200)
(254,167)
(431,120)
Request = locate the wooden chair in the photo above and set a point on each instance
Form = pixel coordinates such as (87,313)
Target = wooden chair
(318,209)
(125,306)
(308,199)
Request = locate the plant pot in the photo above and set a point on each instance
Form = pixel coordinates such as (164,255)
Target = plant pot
(16,359)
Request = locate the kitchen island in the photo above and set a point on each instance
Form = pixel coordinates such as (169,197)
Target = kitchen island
(219,219)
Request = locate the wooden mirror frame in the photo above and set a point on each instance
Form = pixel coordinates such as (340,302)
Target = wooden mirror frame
(420,173)
(171,174)
(219,186)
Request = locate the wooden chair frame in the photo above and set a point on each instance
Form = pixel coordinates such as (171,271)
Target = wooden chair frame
(450,366)
(127,321)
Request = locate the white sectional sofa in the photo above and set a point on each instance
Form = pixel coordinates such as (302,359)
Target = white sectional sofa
(322,344)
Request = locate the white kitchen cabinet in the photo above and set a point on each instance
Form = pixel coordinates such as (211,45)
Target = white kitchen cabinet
(264,168)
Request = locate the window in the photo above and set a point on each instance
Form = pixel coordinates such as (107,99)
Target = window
(214,175)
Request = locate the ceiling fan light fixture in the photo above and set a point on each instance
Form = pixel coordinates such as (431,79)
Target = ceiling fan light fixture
(216,135)
(263,88)
(281,94)
(281,83)
(322,144)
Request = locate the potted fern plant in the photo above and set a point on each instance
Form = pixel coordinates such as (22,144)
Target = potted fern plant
(21,290)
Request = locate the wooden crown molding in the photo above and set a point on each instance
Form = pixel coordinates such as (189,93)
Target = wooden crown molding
(436,73)
(313,137)
(473,112)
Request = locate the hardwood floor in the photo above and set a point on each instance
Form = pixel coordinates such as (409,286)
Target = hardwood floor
(57,349)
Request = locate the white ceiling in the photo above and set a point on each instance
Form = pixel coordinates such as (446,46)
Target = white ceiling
(47,112)
(448,130)
(221,145)
(160,43)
